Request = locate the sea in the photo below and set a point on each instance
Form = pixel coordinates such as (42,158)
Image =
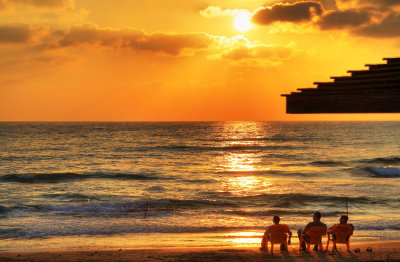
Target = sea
(90,185)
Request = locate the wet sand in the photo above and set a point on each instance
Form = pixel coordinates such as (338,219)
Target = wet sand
(381,251)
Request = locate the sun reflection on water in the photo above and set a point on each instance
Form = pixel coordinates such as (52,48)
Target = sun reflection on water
(245,172)
(244,238)
(247,185)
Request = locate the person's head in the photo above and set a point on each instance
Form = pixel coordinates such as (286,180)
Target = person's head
(317,216)
(276,219)
(343,219)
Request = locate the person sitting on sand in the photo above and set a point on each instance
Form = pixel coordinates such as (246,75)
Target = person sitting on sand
(276,228)
(340,227)
(302,233)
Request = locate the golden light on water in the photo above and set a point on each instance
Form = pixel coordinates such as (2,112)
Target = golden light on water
(244,164)
(245,238)
(236,136)
(241,162)
(247,185)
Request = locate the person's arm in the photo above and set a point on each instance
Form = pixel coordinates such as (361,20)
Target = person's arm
(330,230)
(290,237)
(264,240)
(352,228)
(305,229)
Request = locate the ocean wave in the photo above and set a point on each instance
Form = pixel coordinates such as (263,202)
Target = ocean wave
(110,229)
(110,208)
(382,160)
(195,204)
(3,210)
(327,163)
(11,232)
(157,207)
(385,171)
(198,181)
(269,172)
(65,177)
(72,196)
(277,212)
(187,148)
(280,138)
(285,200)
(378,227)
(156,189)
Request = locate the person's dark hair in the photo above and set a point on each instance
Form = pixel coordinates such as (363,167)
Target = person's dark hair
(276,219)
(317,215)
(344,217)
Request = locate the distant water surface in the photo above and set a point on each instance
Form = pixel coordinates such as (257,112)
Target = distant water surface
(222,179)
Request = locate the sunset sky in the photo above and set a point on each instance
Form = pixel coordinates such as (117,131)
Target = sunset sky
(158,60)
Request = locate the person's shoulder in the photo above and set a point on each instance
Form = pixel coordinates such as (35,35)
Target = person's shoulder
(334,226)
(316,224)
(286,227)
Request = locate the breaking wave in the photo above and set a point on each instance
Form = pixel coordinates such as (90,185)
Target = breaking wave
(64,177)
(385,171)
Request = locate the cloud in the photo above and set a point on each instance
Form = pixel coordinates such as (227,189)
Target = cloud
(240,51)
(295,13)
(91,35)
(270,52)
(236,49)
(167,43)
(216,11)
(15,33)
(343,19)
(388,27)
(4,4)
(382,4)
(371,18)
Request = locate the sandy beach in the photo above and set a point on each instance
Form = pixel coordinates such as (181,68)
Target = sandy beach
(381,251)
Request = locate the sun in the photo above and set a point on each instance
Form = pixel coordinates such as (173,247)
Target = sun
(242,22)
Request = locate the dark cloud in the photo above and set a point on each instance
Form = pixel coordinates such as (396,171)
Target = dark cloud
(342,19)
(172,44)
(15,33)
(388,27)
(297,12)
(35,3)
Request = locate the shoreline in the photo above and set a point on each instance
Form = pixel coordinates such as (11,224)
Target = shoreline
(151,241)
(381,251)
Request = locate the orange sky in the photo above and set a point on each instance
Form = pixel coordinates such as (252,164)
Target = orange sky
(157,60)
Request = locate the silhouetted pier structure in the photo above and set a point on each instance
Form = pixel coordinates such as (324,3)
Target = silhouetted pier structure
(376,90)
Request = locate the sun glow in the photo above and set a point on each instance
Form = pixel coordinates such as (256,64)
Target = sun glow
(242,21)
